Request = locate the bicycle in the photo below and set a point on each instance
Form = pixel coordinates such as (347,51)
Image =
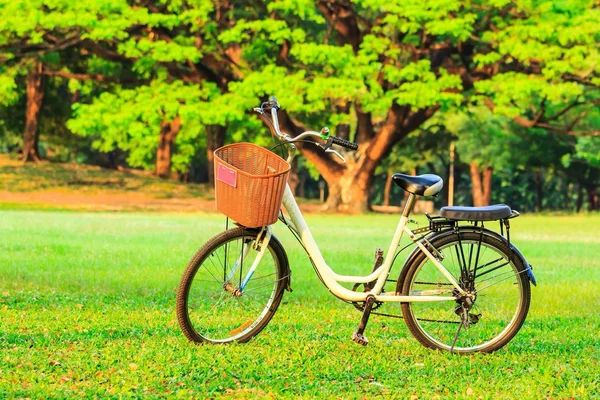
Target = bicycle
(464,288)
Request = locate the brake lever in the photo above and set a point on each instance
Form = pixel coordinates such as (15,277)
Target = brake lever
(337,154)
(328,149)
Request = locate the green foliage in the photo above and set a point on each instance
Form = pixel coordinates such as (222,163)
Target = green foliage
(487,140)
(588,149)
(211,62)
(10,95)
(419,149)
(322,74)
(8,88)
(129,119)
(557,41)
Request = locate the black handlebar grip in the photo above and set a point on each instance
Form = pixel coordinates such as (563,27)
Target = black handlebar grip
(344,143)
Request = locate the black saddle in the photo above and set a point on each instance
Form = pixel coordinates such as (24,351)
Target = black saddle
(422,185)
(488,213)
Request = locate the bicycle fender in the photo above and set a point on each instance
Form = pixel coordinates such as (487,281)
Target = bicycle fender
(528,266)
(286,265)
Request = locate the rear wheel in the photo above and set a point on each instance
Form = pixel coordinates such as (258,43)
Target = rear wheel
(499,288)
(213,302)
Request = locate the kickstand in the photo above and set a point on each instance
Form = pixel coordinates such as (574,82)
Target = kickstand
(455,337)
(463,321)
(358,336)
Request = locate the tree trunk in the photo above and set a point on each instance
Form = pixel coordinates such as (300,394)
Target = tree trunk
(567,196)
(481,186)
(579,202)
(405,194)
(302,184)
(343,130)
(349,184)
(35,98)
(215,138)
(350,192)
(168,133)
(293,179)
(593,201)
(487,185)
(388,189)
(539,185)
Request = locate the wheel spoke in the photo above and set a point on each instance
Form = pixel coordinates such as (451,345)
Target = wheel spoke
(210,311)
(499,303)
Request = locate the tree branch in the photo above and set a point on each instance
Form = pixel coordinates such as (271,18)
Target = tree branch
(81,77)
(90,77)
(54,44)
(330,169)
(364,126)
(342,17)
(575,103)
(579,133)
(540,122)
(417,118)
(524,122)
(102,52)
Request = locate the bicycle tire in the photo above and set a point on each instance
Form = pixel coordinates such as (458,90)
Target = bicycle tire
(503,295)
(208,307)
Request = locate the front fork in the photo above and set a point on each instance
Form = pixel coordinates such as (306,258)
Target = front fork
(261,244)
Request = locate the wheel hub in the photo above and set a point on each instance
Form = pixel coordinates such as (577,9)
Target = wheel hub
(235,292)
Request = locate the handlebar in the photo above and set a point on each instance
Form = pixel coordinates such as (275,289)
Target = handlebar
(273,123)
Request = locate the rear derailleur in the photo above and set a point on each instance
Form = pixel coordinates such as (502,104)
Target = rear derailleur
(463,308)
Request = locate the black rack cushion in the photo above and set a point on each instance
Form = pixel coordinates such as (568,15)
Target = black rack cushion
(488,213)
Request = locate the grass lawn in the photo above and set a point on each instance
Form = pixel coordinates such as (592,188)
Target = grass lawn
(87,309)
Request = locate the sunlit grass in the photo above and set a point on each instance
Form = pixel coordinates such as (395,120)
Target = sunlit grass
(87,309)
(16,176)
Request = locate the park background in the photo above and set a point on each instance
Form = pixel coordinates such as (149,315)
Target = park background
(117,106)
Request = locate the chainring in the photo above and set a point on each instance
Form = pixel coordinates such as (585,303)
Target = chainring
(360,305)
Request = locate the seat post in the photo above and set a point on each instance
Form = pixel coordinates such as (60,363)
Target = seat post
(410,202)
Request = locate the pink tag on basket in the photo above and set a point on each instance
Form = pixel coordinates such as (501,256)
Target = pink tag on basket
(227,175)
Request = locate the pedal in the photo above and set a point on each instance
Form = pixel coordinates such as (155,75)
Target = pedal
(360,339)
(358,336)
(378,262)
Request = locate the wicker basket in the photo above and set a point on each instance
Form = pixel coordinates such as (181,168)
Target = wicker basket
(249,183)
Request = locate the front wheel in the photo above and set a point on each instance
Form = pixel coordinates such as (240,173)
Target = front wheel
(482,266)
(218,300)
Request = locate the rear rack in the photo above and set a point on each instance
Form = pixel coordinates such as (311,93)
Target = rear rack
(436,224)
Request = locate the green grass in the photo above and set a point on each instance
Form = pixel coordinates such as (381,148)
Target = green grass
(87,309)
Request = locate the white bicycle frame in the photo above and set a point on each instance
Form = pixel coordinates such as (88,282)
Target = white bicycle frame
(332,280)
(329,277)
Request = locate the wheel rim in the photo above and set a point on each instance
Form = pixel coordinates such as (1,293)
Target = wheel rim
(215,310)
(495,313)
